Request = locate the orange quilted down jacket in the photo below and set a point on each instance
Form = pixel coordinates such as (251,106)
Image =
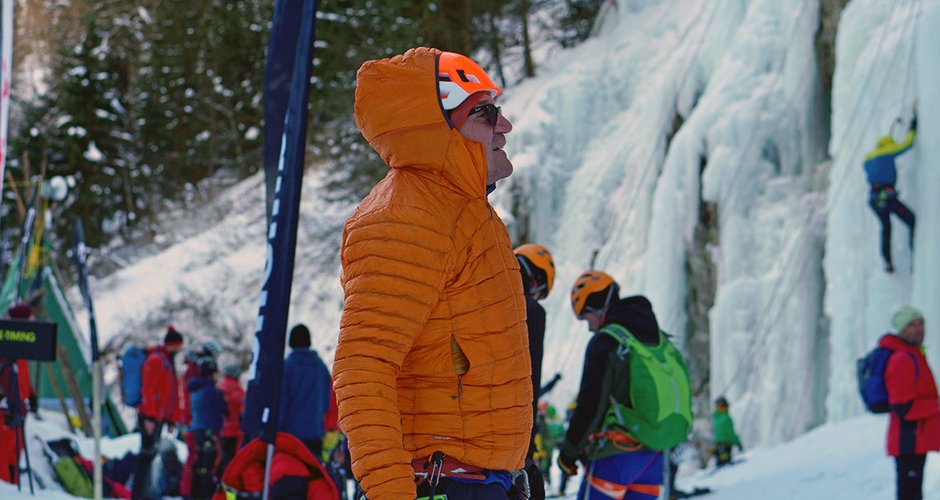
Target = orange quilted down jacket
(433,350)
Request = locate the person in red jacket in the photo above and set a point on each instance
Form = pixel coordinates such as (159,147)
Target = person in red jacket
(11,417)
(295,473)
(231,428)
(160,405)
(914,428)
(13,412)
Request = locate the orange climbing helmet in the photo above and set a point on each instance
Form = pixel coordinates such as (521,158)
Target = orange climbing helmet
(458,77)
(589,283)
(537,262)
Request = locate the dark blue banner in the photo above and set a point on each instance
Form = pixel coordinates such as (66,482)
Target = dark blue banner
(293,19)
(80,254)
(278,73)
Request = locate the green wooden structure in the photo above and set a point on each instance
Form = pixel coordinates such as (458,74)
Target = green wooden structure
(41,287)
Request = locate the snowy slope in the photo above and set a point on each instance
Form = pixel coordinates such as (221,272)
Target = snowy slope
(213,280)
(601,166)
(843,461)
(53,427)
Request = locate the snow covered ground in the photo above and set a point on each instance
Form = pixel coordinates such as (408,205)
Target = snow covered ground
(843,461)
(53,427)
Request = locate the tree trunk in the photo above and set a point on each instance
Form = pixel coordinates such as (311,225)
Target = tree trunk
(466,27)
(495,47)
(526,42)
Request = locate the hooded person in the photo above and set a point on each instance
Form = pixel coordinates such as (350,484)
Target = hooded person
(432,369)
(620,428)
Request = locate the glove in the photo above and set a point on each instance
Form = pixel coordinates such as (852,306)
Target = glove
(740,447)
(568,465)
(557,377)
(149,425)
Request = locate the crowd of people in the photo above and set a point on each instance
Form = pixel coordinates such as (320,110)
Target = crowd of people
(205,409)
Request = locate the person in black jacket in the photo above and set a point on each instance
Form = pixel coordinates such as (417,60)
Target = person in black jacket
(637,473)
(538,276)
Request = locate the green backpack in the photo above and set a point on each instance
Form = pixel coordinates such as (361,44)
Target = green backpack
(646,393)
(73,477)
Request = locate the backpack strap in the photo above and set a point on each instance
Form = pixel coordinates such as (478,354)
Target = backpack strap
(622,336)
(164,358)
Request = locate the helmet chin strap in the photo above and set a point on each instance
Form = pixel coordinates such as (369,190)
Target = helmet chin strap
(610,294)
(535,288)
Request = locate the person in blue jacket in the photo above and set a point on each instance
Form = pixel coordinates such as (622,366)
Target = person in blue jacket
(305,394)
(883,198)
(208,413)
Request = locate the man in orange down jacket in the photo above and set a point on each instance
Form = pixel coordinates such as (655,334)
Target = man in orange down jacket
(432,371)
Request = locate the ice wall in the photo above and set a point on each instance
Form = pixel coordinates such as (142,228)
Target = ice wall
(597,171)
(886,58)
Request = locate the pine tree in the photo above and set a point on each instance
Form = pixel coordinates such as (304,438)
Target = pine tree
(79,129)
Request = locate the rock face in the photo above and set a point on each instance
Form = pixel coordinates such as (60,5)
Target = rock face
(830,11)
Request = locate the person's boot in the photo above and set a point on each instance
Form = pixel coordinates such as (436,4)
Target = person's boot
(889,268)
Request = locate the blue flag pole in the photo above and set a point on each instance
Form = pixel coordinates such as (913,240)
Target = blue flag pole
(264,386)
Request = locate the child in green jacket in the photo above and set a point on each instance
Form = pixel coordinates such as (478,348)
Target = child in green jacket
(723,428)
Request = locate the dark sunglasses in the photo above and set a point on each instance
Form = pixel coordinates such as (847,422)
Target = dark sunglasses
(491,111)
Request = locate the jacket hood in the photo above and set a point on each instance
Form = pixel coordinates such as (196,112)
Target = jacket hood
(896,343)
(399,111)
(635,313)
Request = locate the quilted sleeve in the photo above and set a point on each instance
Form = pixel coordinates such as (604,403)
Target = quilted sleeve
(393,272)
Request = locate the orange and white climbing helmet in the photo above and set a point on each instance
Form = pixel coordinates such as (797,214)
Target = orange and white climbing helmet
(458,77)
